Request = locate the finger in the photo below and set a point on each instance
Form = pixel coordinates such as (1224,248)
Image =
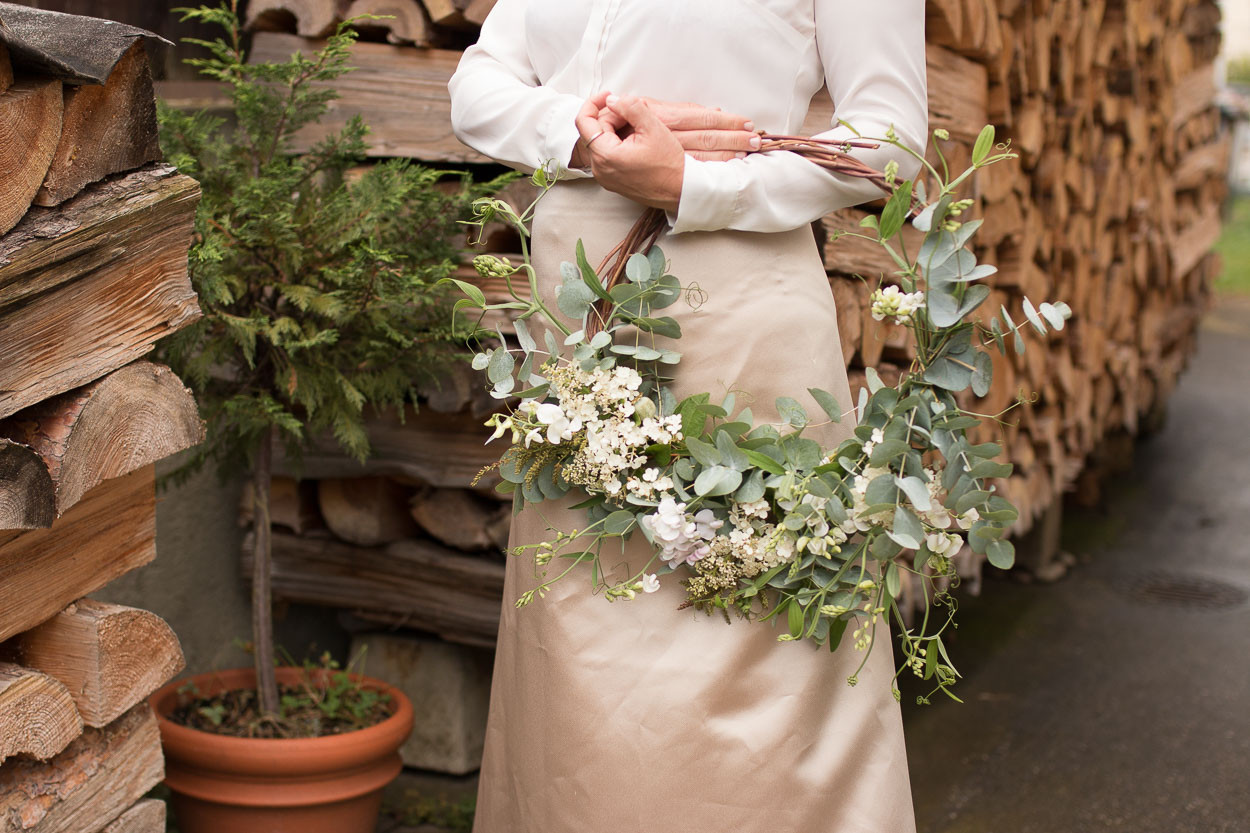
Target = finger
(637,113)
(589,122)
(715,155)
(717,140)
(696,117)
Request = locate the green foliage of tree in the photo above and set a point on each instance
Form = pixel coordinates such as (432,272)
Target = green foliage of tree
(317,282)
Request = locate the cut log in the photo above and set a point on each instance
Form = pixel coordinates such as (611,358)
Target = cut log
(366,511)
(37,715)
(108,656)
(292,504)
(477,10)
(6,69)
(400,93)
(105,129)
(429,447)
(306,18)
(90,784)
(27,496)
(416,584)
(406,23)
(459,518)
(133,416)
(444,12)
(106,272)
(72,47)
(147,816)
(110,532)
(30,127)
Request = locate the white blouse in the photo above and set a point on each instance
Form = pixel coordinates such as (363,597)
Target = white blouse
(516,92)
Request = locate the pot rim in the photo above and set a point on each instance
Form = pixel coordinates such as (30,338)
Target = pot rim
(277,756)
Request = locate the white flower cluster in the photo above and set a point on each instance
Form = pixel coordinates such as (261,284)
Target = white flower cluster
(754,543)
(617,424)
(890,301)
(682,538)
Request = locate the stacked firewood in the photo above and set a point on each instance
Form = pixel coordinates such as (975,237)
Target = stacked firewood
(1112,207)
(93,243)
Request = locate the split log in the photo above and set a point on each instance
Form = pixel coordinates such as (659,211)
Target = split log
(146,816)
(74,48)
(366,511)
(90,784)
(460,519)
(130,418)
(477,10)
(6,69)
(105,129)
(292,504)
(27,496)
(108,656)
(407,23)
(438,449)
(106,272)
(307,18)
(110,532)
(412,583)
(37,715)
(30,127)
(444,12)
(400,93)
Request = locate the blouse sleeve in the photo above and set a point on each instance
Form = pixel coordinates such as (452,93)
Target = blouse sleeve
(874,59)
(498,107)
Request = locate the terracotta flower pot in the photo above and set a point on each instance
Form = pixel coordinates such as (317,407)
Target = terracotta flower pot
(225,784)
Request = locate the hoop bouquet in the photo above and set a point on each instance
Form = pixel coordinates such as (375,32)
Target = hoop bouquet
(756,518)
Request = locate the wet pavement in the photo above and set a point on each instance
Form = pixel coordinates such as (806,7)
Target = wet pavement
(1117,699)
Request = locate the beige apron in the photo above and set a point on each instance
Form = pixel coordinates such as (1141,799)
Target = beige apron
(635,717)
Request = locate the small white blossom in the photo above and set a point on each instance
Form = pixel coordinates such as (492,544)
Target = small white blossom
(650,583)
(890,301)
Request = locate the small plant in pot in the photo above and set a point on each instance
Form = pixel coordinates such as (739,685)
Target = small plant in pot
(317,285)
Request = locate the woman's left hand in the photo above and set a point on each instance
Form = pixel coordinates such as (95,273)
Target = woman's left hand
(646,166)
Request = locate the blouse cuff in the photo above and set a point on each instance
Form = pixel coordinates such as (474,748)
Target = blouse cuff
(709,195)
(558,135)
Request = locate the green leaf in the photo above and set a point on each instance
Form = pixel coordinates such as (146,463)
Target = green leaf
(895,212)
(752,488)
(717,480)
(1034,318)
(763,462)
(618,522)
(500,366)
(893,580)
(907,530)
(638,268)
(791,411)
(588,274)
(523,336)
(475,294)
(703,452)
(1001,553)
(983,145)
(881,490)
(827,403)
(794,619)
(730,454)
(982,374)
(917,492)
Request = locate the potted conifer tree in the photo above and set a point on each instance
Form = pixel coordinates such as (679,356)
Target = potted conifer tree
(319,300)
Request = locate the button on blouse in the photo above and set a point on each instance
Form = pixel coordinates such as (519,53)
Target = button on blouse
(517,91)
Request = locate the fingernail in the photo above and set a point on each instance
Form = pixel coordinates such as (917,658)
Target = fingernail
(740,155)
(755,143)
(749,126)
(612,99)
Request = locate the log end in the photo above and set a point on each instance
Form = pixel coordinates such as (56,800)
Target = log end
(37,714)
(27,495)
(30,128)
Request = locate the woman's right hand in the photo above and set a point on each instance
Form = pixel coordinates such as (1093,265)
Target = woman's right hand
(705,133)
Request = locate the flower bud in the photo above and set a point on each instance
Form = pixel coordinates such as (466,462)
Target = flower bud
(645,407)
(492,266)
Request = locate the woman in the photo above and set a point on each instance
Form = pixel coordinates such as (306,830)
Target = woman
(638,717)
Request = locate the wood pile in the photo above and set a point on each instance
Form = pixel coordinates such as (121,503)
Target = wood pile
(93,243)
(1112,207)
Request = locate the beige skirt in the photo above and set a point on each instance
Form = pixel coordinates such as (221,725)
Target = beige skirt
(637,717)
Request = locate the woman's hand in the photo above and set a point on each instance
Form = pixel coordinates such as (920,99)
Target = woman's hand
(705,133)
(647,165)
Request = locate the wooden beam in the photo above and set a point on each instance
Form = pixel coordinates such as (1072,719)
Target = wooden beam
(400,92)
(146,816)
(89,785)
(110,532)
(106,272)
(135,415)
(417,583)
(37,714)
(109,657)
